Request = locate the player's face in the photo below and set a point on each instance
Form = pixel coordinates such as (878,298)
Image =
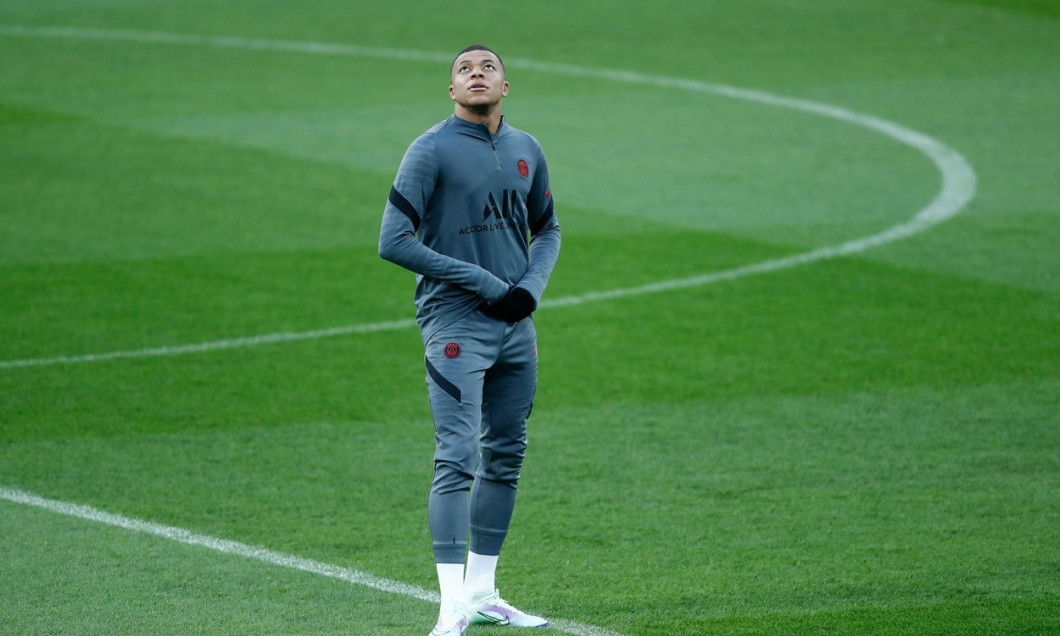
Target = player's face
(477,80)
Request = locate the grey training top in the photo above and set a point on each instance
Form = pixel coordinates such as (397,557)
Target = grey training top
(471,213)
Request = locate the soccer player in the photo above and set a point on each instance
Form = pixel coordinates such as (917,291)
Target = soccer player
(471,213)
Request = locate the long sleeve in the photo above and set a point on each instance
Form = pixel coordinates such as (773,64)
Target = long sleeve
(544,234)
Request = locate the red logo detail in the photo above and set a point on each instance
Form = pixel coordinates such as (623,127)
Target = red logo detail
(524,170)
(452,350)
(548,194)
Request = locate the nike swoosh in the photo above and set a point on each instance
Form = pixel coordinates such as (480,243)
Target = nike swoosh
(493,619)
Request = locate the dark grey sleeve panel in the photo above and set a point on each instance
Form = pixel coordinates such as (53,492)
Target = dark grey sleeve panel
(405,207)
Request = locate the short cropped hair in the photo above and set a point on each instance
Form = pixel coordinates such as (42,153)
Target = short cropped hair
(478,47)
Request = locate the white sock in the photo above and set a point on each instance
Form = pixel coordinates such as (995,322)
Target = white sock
(450,584)
(481,575)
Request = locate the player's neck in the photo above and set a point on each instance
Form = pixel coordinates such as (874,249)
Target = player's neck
(489,116)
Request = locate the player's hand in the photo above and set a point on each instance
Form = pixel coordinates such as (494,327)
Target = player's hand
(514,306)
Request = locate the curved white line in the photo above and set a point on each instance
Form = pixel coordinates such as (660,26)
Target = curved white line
(958,177)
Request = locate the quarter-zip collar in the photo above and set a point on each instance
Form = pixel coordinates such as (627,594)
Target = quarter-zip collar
(473,129)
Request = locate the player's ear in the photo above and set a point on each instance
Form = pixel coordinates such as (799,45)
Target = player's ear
(452,92)
(504,89)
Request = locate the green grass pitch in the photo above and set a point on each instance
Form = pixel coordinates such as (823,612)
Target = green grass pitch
(864,444)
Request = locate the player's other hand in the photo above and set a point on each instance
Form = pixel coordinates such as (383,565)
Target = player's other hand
(514,306)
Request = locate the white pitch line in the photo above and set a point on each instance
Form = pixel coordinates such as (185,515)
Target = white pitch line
(231,343)
(958,176)
(180,535)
